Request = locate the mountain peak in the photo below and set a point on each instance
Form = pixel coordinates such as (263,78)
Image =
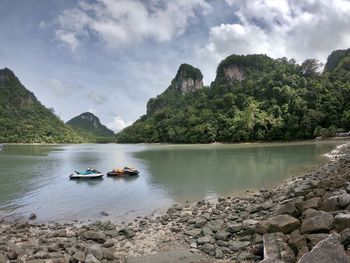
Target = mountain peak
(90,123)
(187,79)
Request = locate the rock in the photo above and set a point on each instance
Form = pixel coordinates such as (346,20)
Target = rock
(288,209)
(104,213)
(301,190)
(341,222)
(318,222)
(79,256)
(330,204)
(345,237)
(236,245)
(312,203)
(297,241)
(314,239)
(98,236)
(127,232)
(271,260)
(107,254)
(12,255)
(233,227)
(193,232)
(96,251)
(282,223)
(205,240)
(218,253)
(32,216)
(108,243)
(200,222)
(344,200)
(91,259)
(326,251)
(209,249)
(53,248)
(258,250)
(222,235)
(275,247)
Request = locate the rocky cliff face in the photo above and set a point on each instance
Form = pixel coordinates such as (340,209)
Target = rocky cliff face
(233,73)
(187,79)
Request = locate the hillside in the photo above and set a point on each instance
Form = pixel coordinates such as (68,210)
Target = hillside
(23,119)
(89,126)
(253,97)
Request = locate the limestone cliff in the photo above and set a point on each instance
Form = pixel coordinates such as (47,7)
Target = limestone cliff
(187,79)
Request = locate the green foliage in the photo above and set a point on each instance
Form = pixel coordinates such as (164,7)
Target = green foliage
(23,119)
(90,127)
(276,100)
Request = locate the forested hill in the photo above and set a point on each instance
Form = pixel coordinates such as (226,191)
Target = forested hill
(253,98)
(89,126)
(23,119)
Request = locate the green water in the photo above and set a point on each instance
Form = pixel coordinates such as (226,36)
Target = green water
(35,178)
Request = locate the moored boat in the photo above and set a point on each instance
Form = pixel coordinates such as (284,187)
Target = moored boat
(126,171)
(87,174)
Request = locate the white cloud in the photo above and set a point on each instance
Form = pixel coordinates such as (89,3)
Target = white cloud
(118,124)
(61,88)
(119,23)
(297,29)
(96,97)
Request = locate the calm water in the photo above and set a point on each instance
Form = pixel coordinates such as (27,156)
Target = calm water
(35,178)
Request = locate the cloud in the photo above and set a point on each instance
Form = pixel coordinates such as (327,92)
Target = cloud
(119,23)
(61,88)
(297,29)
(118,124)
(96,97)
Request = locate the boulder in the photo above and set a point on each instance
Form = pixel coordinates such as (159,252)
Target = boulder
(96,251)
(318,222)
(233,227)
(326,251)
(236,245)
(330,204)
(79,256)
(91,259)
(222,235)
(312,203)
(345,237)
(341,222)
(205,240)
(282,223)
(98,236)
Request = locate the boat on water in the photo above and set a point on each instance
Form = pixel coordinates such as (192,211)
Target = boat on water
(126,171)
(87,174)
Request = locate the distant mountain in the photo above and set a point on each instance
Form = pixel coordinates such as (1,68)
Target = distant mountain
(23,119)
(89,125)
(253,97)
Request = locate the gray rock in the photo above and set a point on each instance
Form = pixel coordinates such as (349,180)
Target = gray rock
(107,254)
(344,200)
(297,241)
(127,232)
(341,222)
(233,227)
(205,240)
(200,222)
(288,209)
(91,259)
(236,245)
(209,249)
(314,239)
(345,237)
(193,232)
(96,251)
(328,250)
(207,231)
(312,203)
(3,258)
(79,256)
(12,255)
(330,204)
(98,236)
(218,253)
(318,222)
(282,223)
(108,243)
(222,235)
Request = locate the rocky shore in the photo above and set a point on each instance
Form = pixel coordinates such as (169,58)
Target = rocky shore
(303,220)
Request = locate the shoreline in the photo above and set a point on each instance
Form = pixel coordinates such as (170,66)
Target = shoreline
(226,231)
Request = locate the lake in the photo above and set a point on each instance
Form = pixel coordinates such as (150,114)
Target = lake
(35,178)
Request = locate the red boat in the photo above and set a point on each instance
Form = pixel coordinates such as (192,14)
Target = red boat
(126,171)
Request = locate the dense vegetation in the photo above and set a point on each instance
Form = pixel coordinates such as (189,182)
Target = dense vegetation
(90,127)
(263,99)
(23,119)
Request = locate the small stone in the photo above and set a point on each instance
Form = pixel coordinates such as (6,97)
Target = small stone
(218,253)
(91,259)
(98,236)
(104,213)
(205,240)
(32,216)
(233,227)
(341,222)
(79,256)
(96,251)
(222,235)
(236,245)
(282,223)
(12,255)
(345,237)
(312,203)
(108,243)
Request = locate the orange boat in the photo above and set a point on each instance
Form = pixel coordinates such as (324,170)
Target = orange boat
(126,171)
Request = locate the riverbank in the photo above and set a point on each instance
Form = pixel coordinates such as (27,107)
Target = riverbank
(302,210)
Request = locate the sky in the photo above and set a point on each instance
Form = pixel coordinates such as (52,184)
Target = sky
(110,57)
